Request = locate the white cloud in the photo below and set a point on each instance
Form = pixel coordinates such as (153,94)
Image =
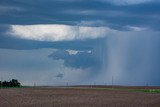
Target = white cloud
(74,52)
(57,32)
(135,28)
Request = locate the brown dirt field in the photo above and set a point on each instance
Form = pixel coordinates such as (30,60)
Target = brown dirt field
(69,97)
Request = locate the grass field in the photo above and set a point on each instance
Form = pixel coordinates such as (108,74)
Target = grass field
(87,96)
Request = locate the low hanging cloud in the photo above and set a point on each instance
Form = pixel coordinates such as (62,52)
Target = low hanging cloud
(80,60)
(57,32)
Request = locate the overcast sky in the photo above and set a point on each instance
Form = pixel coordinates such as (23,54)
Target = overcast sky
(55,42)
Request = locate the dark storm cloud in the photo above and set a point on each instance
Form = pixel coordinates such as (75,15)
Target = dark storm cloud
(20,44)
(79,60)
(93,58)
(73,12)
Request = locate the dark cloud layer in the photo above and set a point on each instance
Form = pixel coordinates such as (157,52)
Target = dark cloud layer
(7,42)
(73,12)
(80,60)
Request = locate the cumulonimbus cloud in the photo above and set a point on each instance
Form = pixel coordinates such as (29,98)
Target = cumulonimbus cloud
(55,32)
(80,60)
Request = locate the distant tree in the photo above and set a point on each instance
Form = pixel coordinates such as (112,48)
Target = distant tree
(5,83)
(12,83)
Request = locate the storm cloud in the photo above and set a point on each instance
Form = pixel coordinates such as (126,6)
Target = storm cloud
(115,14)
(80,60)
(87,40)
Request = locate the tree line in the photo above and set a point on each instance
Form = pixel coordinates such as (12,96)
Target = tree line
(11,83)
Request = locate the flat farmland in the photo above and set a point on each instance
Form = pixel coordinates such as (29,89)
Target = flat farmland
(76,97)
